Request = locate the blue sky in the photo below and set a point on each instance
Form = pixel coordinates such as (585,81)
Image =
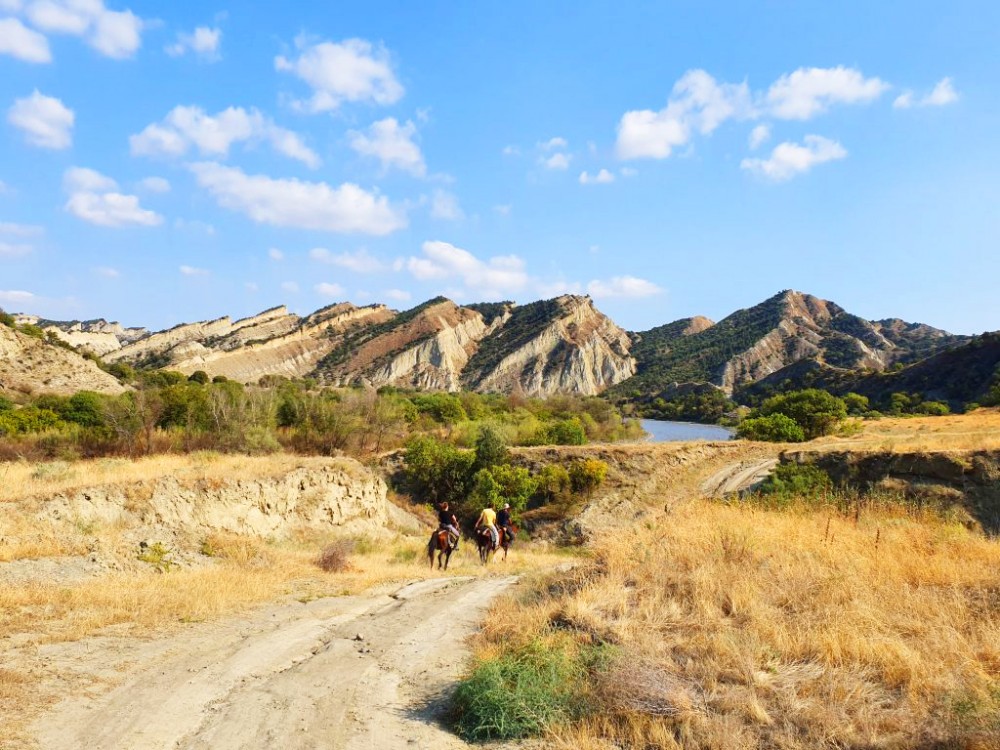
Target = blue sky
(167,162)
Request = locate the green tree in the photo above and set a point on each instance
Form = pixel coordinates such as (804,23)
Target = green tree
(567,432)
(553,481)
(775,428)
(491,448)
(857,405)
(587,475)
(198,376)
(816,411)
(437,472)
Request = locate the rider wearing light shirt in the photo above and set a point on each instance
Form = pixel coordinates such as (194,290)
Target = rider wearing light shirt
(488,519)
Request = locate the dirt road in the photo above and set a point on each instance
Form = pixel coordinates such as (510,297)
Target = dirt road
(347,672)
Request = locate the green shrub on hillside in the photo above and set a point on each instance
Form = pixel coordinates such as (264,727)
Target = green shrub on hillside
(775,428)
(587,475)
(796,479)
(817,412)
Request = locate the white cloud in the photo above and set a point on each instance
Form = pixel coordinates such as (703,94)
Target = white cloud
(45,120)
(942,94)
(116,34)
(511,151)
(192,271)
(17,40)
(352,71)
(155,185)
(493,278)
(295,203)
(622,286)
(329,290)
(359,262)
(14,250)
(558,160)
(397,295)
(602,177)
(10,6)
(194,225)
(503,209)
(698,103)
(111,210)
(553,143)
(81,179)
(290,286)
(107,272)
(789,159)
(444,205)
(810,91)
(20,230)
(203,41)
(628,172)
(275,254)
(549,289)
(759,135)
(16,297)
(392,144)
(94,199)
(189,127)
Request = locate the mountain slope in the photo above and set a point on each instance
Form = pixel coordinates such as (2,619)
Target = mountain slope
(31,365)
(754,343)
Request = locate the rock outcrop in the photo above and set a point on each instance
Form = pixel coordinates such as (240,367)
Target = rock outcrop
(341,494)
(34,366)
(563,345)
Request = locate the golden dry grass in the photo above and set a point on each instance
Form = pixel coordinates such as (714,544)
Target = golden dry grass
(739,628)
(977,430)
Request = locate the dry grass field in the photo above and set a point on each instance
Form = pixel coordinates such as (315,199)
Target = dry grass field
(729,627)
(977,430)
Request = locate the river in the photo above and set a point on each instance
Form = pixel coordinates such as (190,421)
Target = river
(661,431)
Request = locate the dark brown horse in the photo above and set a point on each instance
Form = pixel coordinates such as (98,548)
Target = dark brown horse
(484,542)
(442,545)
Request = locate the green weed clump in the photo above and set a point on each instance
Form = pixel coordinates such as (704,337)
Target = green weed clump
(520,694)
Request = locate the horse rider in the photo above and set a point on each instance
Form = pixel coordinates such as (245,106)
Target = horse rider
(448,522)
(488,520)
(505,523)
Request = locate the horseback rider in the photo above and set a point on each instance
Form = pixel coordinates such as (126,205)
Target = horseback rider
(448,522)
(504,522)
(488,520)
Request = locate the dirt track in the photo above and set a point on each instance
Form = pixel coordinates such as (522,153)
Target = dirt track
(290,677)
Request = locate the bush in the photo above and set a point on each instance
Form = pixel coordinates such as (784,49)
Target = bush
(336,556)
(518,695)
(567,432)
(796,479)
(553,481)
(587,475)
(776,428)
(817,412)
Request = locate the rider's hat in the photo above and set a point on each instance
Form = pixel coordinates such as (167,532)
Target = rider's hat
(506,506)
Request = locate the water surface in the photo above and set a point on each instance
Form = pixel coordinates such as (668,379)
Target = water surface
(661,431)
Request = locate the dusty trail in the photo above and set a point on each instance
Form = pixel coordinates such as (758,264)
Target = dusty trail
(294,677)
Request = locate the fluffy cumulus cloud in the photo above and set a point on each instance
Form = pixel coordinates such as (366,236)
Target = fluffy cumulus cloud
(601,178)
(444,205)
(13,236)
(113,33)
(811,91)
(360,261)
(392,144)
(94,198)
(44,120)
(350,71)
(558,160)
(628,287)
(697,104)
(193,271)
(202,42)
(186,128)
(943,93)
(17,40)
(495,278)
(296,203)
(14,249)
(790,159)
(554,154)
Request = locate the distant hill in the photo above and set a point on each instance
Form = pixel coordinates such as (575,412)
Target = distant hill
(752,344)
(956,376)
(560,345)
